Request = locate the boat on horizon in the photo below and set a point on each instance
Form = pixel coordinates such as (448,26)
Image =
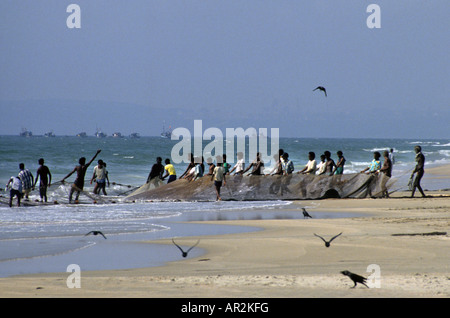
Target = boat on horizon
(82,134)
(25,133)
(117,135)
(49,134)
(166,133)
(100,134)
(135,135)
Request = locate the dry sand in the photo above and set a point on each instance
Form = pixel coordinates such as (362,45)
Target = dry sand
(285,260)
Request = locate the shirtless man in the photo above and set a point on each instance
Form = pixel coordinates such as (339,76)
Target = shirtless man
(420,170)
(211,165)
(44,174)
(189,167)
(387,170)
(79,180)
(155,175)
(258,166)
(339,168)
(329,164)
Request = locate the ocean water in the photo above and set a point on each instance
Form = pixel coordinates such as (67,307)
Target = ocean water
(130,160)
(44,238)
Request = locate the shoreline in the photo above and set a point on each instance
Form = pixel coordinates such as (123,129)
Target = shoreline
(127,251)
(285,260)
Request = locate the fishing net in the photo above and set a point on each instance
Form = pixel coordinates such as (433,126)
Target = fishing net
(58,193)
(279,187)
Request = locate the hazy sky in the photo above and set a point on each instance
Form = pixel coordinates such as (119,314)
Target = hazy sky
(231,63)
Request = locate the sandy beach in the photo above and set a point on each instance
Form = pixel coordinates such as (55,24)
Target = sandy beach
(286,260)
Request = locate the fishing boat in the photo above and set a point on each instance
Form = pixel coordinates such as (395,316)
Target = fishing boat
(117,135)
(100,134)
(135,135)
(82,134)
(49,134)
(166,133)
(25,133)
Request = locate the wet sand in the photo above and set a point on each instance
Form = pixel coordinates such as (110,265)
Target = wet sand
(286,260)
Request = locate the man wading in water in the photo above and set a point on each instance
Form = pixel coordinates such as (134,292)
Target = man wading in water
(79,180)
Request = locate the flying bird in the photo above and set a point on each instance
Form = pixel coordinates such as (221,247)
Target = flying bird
(322,89)
(306,214)
(183,253)
(327,243)
(96,233)
(355,278)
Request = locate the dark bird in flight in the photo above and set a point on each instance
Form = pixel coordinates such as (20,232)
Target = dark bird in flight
(183,253)
(355,278)
(96,233)
(306,214)
(322,89)
(327,243)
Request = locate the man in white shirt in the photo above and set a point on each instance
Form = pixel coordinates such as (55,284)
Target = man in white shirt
(391,156)
(219,179)
(322,165)
(240,165)
(27,180)
(100,176)
(16,189)
(311,166)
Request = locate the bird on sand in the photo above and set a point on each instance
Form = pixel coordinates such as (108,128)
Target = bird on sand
(322,89)
(185,253)
(355,278)
(306,214)
(327,243)
(96,233)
